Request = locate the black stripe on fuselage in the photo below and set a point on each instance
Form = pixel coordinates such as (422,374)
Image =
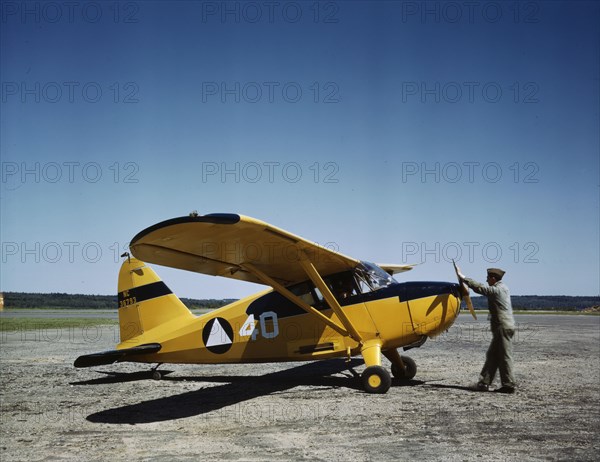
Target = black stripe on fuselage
(405,291)
(143,293)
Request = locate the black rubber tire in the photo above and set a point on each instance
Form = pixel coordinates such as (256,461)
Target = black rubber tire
(376,379)
(410,369)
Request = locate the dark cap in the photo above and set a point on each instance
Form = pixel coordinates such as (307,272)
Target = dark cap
(496,272)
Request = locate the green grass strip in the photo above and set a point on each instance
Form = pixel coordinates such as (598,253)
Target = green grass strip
(11,324)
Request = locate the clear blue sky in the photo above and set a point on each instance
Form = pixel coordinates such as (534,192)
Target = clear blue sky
(397,132)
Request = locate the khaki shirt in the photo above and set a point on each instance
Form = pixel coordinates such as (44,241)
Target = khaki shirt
(498,302)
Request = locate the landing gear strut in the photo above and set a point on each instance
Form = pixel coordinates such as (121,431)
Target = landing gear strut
(403,367)
(375,379)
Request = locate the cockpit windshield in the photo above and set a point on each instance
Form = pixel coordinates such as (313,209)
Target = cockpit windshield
(371,277)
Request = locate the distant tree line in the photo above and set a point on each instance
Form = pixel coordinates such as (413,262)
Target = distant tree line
(91,302)
(108,302)
(544,302)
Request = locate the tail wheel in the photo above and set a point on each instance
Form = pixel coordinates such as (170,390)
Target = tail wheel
(376,379)
(409,371)
(156,375)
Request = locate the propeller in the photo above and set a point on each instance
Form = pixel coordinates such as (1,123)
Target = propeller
(464,292)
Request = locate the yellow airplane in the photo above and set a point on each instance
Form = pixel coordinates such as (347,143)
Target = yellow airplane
(320,304)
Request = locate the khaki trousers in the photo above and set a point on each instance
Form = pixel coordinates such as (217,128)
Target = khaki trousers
(499,357)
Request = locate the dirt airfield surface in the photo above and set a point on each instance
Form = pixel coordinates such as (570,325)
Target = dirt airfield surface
(304,411)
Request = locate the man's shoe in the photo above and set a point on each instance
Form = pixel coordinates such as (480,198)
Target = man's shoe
(505,389)
(481,387)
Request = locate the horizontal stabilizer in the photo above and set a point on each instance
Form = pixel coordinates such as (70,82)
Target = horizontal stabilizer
(113,356)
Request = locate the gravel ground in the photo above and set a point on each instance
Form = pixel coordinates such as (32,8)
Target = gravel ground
(298,411)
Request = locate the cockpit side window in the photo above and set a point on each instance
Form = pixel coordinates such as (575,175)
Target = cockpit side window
(365,278)
(308,293)
(342,285)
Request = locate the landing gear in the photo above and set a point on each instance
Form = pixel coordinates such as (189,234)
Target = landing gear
(376,379)
(403,367)
(408,371)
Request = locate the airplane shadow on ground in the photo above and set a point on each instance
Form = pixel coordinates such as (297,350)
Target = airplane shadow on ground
(235,389)
(120,377)
(453,387)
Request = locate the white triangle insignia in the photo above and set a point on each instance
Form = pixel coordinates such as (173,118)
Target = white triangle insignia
(217,335)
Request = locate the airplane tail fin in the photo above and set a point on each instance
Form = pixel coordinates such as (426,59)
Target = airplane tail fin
(145,301)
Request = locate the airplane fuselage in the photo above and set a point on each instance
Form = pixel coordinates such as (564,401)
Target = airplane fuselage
(267,327)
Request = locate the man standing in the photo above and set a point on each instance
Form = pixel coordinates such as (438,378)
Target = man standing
(499,353)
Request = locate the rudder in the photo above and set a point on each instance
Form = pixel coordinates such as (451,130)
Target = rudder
(145,301)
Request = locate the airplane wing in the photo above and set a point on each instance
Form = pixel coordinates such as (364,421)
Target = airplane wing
(392,269)
(221,244)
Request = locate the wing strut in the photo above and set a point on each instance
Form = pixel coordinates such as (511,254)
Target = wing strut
(293,298)
(316,278)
